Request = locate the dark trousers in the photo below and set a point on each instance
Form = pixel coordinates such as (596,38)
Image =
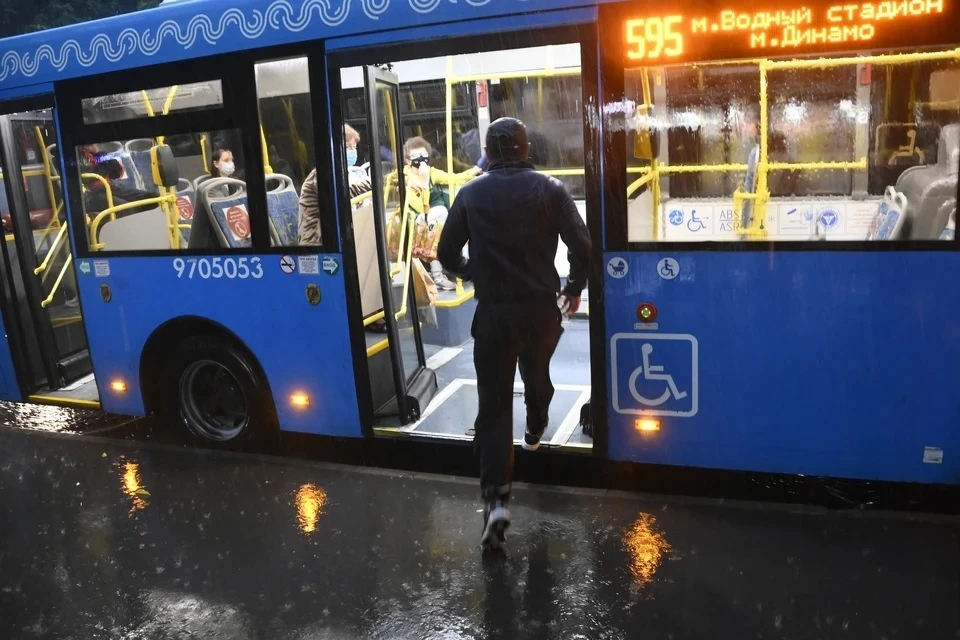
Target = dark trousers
(505,334)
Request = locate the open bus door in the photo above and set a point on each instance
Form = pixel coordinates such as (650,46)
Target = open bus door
(45,330)
(413,383)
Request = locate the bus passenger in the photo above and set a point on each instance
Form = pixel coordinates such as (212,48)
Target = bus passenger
(91,160)
(429,203)
(513,217)
(308,231)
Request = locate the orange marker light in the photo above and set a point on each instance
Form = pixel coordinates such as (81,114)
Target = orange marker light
(118,385)
(647,424)
(300,400)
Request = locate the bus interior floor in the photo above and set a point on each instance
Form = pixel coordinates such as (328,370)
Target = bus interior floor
(82,391)
(453,409)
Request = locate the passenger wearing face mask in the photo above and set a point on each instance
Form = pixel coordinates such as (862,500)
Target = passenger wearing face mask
(429,203)
(358,178)
(308,230)
(223,167)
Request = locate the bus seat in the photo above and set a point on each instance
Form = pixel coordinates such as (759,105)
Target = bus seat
(228,214)
(131,178)
(928,187)
(163,166)
(110,147)
(888,221)
(141,160)
(283,206)
(200,180)
(186,203)
(139,144)
(54,159)
(146,230)
(948,212)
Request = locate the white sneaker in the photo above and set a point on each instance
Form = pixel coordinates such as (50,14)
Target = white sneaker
(443,282)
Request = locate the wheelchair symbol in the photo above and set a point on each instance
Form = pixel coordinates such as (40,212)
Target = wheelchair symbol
(668,268)
(653,372)
(694,223)
(676,217)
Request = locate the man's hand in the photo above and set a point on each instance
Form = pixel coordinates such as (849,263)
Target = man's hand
(570,305)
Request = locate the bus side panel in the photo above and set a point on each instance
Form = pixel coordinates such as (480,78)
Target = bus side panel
(302,348)
(9,389)
(844,364)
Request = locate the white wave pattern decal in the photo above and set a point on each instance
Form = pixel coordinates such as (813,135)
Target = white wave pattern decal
(280,15)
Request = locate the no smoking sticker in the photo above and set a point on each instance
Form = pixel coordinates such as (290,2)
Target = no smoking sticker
(287,264)
(239,222)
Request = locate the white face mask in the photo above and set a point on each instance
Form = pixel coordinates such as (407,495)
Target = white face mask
(226,169)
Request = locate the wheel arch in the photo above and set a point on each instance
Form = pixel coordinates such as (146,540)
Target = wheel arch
(155,358)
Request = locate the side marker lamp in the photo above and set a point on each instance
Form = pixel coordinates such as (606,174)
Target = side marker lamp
(300,400)
(118,385)
(647,425)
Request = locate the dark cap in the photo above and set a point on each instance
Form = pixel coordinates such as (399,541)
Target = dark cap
(507,138)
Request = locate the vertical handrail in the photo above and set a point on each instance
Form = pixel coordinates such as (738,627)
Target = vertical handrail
(51,192)
(56,285)
(50,254)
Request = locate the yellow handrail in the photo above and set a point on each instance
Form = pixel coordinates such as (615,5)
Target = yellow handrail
(203,152)
(112,211)
(56,285)
(53,249)
(106,186)
(263,145)
(146,102)
(360,198)
(47,173)
(462,296)
(403,302)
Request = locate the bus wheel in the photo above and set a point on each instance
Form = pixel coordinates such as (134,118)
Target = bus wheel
(218,393)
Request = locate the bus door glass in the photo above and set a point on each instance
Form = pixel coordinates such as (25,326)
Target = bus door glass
(38,257)
(399,274)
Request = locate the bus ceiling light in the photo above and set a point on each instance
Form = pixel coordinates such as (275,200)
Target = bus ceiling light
(646,312)
(647,425)
(300,400)
(118,385)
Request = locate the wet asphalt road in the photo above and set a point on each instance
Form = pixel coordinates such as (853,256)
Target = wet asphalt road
(116,538)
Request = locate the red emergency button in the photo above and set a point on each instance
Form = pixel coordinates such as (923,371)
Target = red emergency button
(646,312)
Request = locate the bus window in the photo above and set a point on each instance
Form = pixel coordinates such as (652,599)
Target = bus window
(812,119)
(547,101)
(179,192)
(839,150)
(150,102)
(286,130)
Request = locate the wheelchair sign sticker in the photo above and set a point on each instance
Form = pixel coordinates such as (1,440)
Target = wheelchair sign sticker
(617,268)
(668,268)
(655,374)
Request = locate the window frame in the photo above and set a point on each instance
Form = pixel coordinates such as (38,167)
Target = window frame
(240,112)
(614,162)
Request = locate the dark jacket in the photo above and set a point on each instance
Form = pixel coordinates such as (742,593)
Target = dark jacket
(513,217)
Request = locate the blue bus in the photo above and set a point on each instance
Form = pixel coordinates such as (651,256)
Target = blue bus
(207,217)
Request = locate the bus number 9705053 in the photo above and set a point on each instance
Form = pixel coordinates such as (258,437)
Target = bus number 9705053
(215,268)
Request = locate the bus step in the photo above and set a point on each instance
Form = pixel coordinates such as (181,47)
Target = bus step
(74,366)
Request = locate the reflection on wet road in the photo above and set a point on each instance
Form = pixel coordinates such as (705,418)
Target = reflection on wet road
(102,539)
(59,419)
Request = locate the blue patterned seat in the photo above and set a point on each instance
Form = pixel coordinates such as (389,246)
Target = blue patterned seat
(283,206)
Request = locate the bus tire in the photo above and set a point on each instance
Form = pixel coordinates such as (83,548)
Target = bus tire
(218,393)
